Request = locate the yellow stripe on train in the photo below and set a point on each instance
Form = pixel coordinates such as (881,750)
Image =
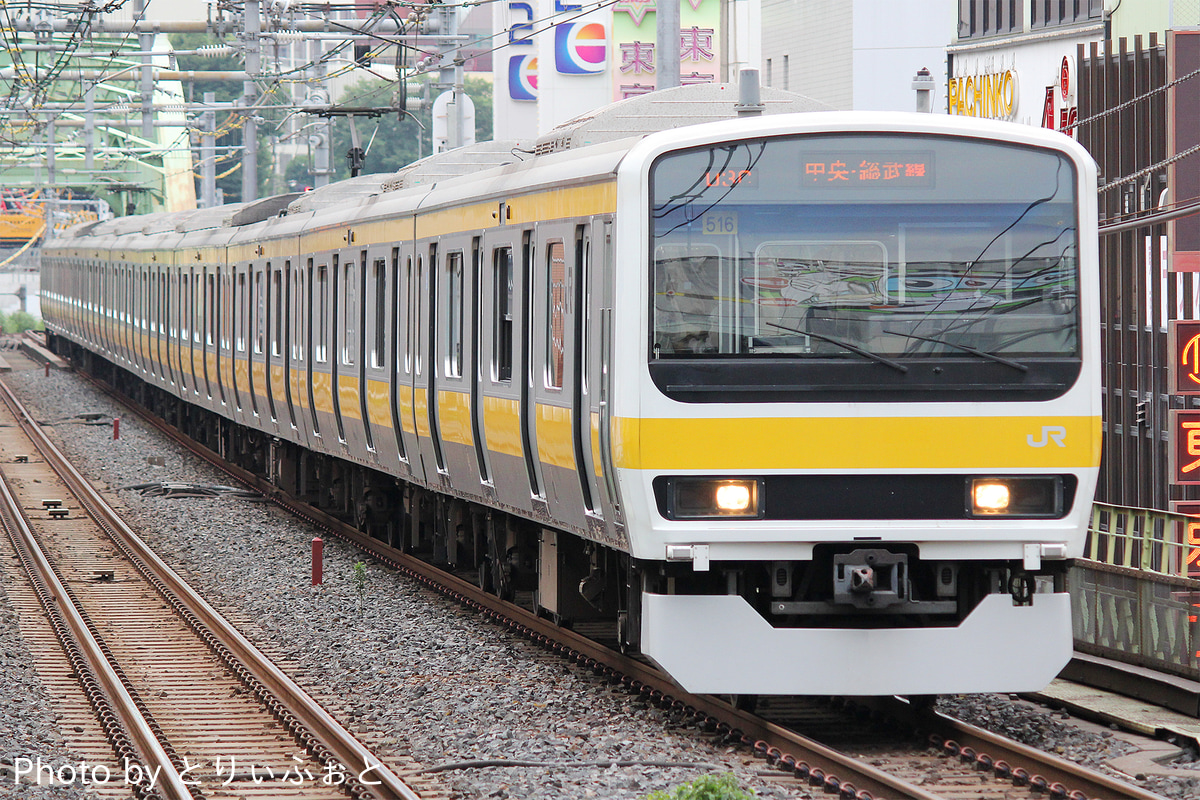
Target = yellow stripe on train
(858,443)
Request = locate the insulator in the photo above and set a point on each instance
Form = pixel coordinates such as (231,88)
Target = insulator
(214,50)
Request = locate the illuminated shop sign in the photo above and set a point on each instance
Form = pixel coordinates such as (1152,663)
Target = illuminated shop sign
(1185,448)
(1183,347)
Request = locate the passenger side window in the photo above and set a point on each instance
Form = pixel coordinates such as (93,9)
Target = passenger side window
(454,314)
(502,314)
(379,342)
(349,307)
(556,297)
(322,290)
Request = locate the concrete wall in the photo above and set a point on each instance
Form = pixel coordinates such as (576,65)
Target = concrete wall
(807,48)
(856,54)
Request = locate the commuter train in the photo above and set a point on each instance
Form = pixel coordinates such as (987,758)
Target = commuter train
(790,403)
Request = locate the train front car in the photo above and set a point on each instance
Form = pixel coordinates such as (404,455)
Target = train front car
(858,443)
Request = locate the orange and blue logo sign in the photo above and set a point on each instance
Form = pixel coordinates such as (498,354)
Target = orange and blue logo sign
(580,48)
(522,77)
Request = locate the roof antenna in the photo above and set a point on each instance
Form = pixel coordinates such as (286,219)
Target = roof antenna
(749,102)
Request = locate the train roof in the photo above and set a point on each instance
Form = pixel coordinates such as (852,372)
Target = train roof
(665,110)
(629,119)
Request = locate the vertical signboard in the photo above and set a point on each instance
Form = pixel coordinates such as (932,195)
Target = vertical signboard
(1191,537)
(515,71)
(1183,378)
(573,60)
(1183,176)
(635,46)
(1185,448)
(1183,347)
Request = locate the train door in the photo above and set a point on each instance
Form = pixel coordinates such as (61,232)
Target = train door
(168,330)
(166,369)
(258,371)
(221,349)
(317,334)
(210,333)
(102,278)
(599,334)
(293,334)
(151,323)
(145,321)
(581,358)
(179,326)
(158,326)
(406,335)
(370,352)
(430,336)
(500,381)
(193,316)
(238,312)
(474,347)
(252,303)
(425,468)
(395,357)
(337,342)
(452,370)
(148,334)
(145,293)
(553,371)
(528,374)
(275,360)
(88,303)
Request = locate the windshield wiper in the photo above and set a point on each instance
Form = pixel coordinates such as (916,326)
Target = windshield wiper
(965,348)
(896,365)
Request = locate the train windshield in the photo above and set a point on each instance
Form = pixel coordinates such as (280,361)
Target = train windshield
(922,264)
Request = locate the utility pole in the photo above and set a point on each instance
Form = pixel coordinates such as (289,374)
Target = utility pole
(89,128)
(319,141)
(252,26)
(208,154)
(146,43)
(457,133)
(666,17)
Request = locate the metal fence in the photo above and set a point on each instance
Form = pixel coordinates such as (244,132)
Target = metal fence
(1132,597)
(1123,124)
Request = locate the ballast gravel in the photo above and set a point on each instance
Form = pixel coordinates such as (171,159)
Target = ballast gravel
(28,728)
(424,681)
(421,678)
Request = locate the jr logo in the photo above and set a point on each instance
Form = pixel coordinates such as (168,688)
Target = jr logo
(1050,433)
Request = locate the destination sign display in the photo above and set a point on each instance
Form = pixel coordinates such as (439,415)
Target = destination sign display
(867,169)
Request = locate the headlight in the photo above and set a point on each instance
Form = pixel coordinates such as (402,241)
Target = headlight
(706,498)
(1015,497)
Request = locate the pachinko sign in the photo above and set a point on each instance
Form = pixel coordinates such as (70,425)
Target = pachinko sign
(988,95)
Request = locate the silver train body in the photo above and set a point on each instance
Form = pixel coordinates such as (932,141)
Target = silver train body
(794,404)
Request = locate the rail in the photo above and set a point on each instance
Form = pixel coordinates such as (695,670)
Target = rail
(307,721)
(1135,594)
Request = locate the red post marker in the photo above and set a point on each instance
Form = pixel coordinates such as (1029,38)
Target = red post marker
(318,548)
(47,369)
(116,427)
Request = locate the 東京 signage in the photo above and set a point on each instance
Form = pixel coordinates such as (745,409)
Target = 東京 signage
(1183,351)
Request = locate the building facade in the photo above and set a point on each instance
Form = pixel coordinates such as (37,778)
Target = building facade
(855,54)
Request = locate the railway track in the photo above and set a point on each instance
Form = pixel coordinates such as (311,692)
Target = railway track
(162,696)
(862,749)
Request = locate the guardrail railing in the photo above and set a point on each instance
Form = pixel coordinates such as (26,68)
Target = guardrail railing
(1134,597)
